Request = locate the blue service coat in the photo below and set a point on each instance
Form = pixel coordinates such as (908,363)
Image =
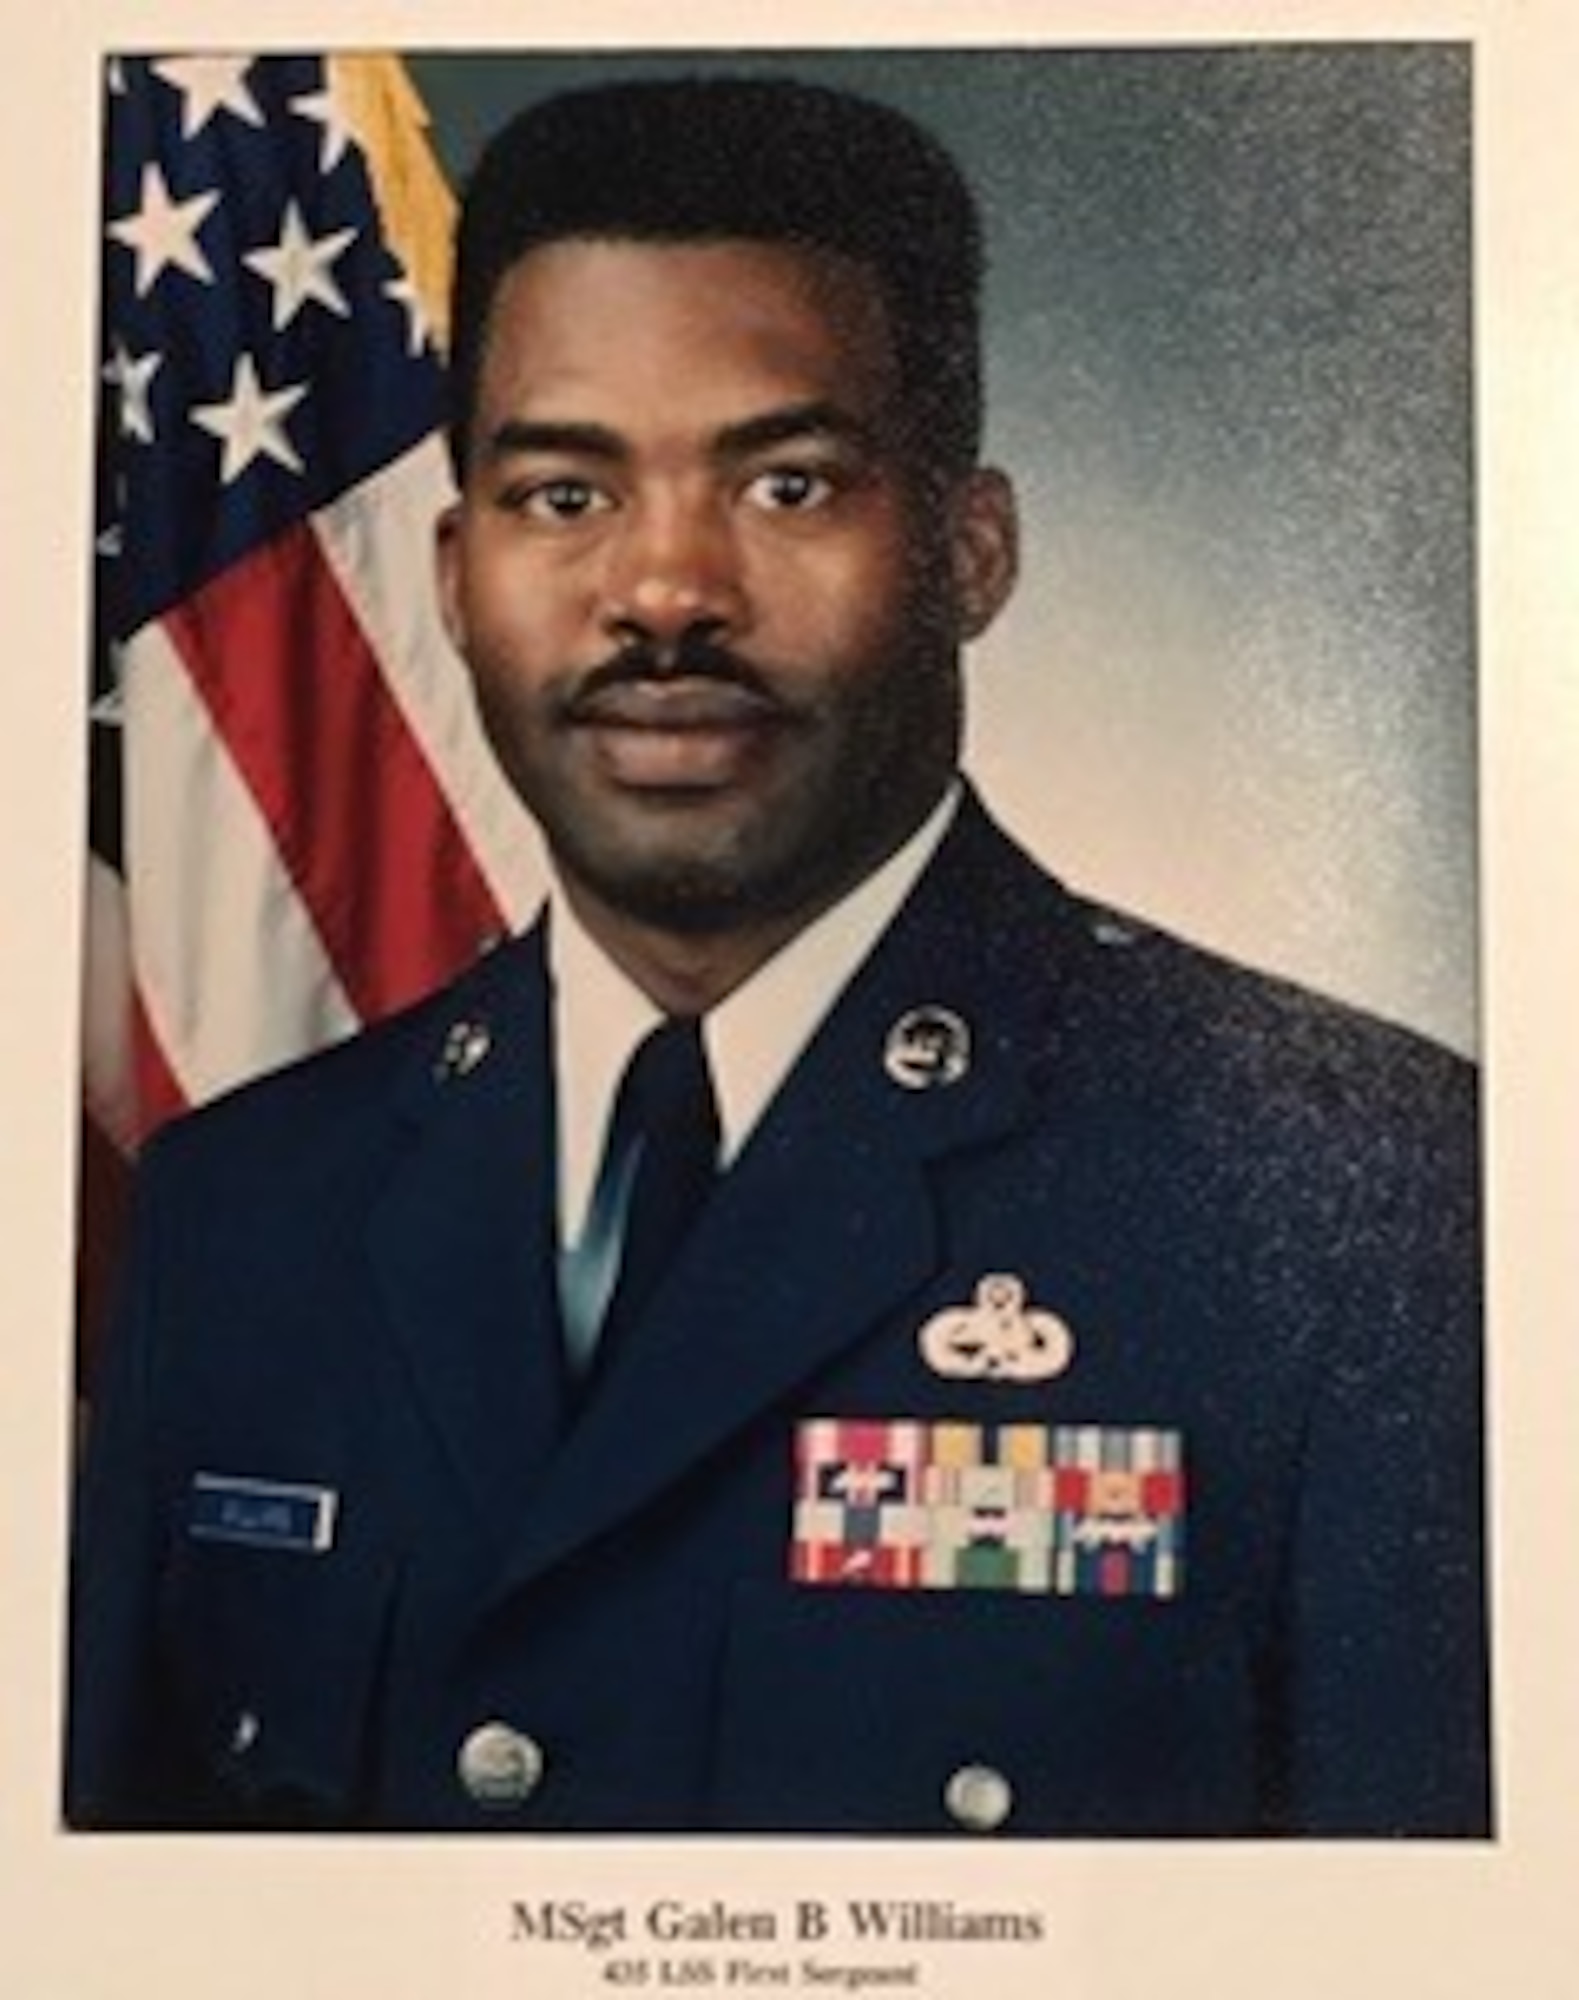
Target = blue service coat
(1253,1212)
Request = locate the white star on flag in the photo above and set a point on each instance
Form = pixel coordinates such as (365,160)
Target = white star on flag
(132,376)
(324,108)
(402,292)
(163,232)
(298,268)
(251,424)
(209,85)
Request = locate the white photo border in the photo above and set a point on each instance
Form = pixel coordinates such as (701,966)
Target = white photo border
(411,1918)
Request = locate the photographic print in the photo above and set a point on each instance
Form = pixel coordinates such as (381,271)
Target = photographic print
(900,652)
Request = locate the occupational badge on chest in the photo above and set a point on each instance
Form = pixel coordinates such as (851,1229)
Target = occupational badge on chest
(1084,1510)
(999,1337)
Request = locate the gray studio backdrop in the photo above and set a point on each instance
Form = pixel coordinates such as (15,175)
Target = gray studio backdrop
(1230,371)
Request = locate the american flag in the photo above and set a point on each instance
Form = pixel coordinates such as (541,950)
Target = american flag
(295,825)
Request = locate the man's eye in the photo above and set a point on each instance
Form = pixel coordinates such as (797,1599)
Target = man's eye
(557,501)
(790,489)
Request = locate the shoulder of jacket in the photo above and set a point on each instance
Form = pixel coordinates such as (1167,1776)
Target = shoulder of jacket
(1208,1013)
(350,1082)
(1139,998)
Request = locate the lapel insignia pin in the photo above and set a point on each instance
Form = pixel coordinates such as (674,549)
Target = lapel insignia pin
(998,1337)
(927,1048)
(465,1046)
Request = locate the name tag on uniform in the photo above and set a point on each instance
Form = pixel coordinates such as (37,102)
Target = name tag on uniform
(262,1513)
(1087,1510)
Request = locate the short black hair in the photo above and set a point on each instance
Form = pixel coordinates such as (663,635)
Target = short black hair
(761,159)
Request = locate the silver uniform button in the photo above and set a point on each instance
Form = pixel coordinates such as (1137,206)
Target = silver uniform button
(245,1732)
(978,1798)
(499,1766)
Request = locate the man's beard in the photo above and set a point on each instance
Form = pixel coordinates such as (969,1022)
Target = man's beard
(877,749)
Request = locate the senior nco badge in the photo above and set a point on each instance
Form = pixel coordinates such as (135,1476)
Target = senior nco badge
(997,1337)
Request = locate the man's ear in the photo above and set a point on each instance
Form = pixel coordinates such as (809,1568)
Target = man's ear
(984,547)
(447,574)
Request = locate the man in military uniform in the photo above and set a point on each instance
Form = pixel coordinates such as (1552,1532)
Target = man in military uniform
(829,1331)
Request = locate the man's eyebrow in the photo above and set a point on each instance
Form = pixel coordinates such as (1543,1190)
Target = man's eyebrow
(798,423)
(795,423)
(519,436)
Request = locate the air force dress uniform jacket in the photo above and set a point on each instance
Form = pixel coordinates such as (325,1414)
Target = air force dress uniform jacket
(1063,1420)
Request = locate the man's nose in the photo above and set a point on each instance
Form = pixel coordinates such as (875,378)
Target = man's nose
(675,572)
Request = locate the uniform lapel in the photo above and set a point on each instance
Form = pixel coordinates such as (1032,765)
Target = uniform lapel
(462,1236)
(828,1220)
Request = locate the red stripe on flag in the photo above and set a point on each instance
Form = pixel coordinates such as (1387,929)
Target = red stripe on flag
(159,1092)
(359,817)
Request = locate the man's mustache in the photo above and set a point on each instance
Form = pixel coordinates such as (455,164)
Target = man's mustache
(693,658)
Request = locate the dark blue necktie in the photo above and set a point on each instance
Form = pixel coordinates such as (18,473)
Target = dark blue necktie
(663,1147)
